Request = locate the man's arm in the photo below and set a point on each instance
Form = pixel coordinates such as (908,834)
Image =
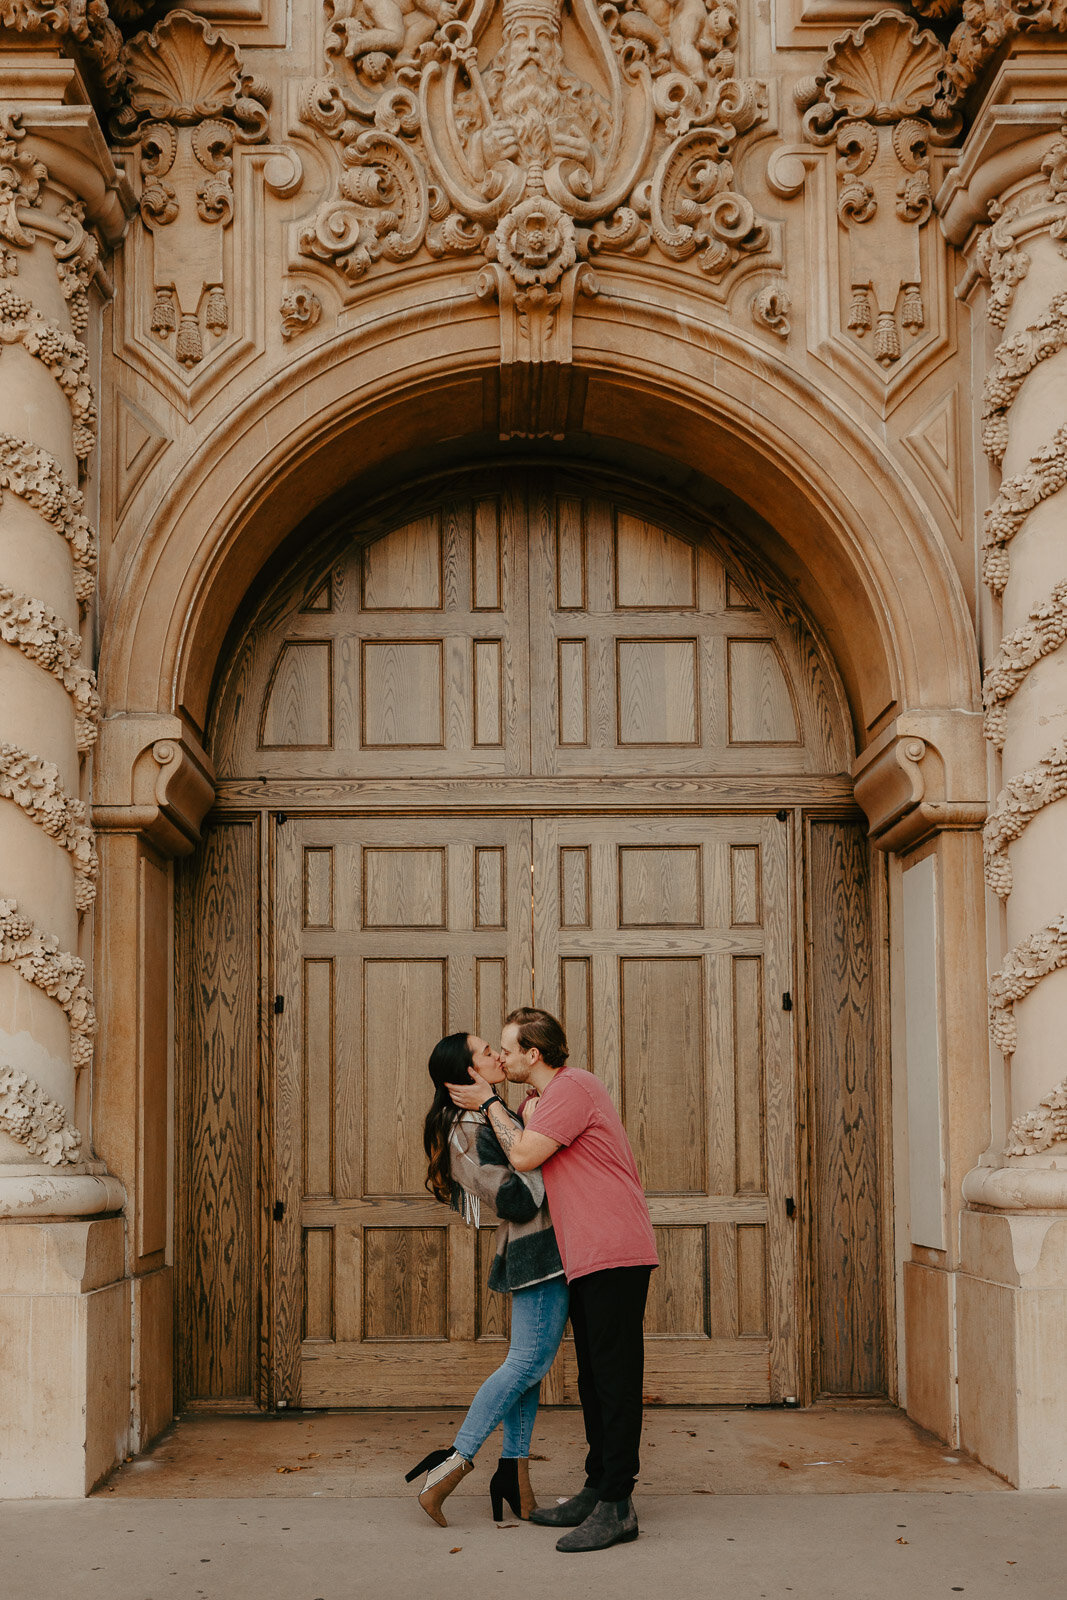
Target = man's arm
(524,1149)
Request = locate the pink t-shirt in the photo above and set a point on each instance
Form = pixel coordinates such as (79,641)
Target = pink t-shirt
(597,1203)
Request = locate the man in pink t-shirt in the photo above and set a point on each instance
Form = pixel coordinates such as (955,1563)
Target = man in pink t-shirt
(573,1133)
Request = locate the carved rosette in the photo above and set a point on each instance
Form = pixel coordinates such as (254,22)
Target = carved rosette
(534,135)
(877,101)
(187,103)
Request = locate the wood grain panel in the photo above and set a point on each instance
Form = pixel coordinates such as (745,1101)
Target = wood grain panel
(298,704)
(318,1076)
(494,1310)
(403,571)
(404,888)
(737,597)
(403,694)
(490,997)
(490,870)
(153,1117)
(486,557)
(746,889)
(657,691)
(576,1010)
(722,1276)
(488,693)
(677,1295)
(751,1281)
(660,886)
(318,887)
(405,1283)
(321,597)
(572,692)
(574,886)
(404,1015)
(848,1252)
(570,556)
(654,570)
(663,1071)
(220,1229)
(749,1109)
(761,705)
(318,1283)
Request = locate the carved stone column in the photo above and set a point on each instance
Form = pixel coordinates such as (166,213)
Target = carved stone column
(1011,187)
(63,1392)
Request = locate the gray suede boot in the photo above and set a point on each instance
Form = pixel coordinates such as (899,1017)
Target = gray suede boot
(610,1522)
(571,1514)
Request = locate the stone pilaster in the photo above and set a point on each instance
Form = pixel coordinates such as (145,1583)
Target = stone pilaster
(1007,205)
(64,1305)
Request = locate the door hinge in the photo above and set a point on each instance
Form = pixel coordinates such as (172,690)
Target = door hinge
(279,1004)
(790,1206)
(279,1210)
(280,818)
(783,815)
(787,1001)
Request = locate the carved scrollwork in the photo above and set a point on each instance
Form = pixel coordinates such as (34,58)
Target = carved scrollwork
(506,148)
(771,307)
(34,786)
(877,99)
(187,103)
(301,308)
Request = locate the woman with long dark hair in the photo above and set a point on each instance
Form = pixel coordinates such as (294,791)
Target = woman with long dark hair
(468,1170)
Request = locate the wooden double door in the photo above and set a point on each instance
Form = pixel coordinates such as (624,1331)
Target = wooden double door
(526,735)
(664,944)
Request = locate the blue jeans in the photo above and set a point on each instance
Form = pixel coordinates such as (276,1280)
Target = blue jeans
(511,1393)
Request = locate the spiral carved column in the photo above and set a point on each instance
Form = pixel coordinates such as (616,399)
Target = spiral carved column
(48,701)
(1012,1293)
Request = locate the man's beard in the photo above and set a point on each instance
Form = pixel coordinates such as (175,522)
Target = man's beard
(533,103)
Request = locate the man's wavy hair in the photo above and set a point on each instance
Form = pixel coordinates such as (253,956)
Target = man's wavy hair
(539,1030)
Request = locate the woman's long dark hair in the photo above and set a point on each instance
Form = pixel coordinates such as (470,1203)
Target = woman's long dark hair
(450,1063)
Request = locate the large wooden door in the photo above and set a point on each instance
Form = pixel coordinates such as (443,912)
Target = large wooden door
(517,738)
(389,935)
(664,945)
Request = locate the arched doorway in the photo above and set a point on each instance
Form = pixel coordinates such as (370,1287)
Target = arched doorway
(527,733)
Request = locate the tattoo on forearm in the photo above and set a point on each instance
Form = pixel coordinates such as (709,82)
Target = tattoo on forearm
(504,1128)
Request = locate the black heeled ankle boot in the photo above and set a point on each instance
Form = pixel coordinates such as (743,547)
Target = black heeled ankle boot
(427,1464)
(511,1482)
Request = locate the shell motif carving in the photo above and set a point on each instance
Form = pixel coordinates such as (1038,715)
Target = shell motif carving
(188,103)
(884,71)
(182,72)
(877,100)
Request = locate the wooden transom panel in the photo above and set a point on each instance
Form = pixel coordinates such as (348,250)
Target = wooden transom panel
(528,631)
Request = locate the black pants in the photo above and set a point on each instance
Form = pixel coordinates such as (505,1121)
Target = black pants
(607,1316)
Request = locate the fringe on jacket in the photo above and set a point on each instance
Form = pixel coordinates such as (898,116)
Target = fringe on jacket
(526,1249)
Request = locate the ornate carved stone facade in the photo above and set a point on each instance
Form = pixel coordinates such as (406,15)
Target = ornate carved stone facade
(273,263)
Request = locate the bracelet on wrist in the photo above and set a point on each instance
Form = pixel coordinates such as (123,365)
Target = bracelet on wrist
(487,1103)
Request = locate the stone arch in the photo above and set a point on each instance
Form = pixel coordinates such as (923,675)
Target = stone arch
(833,513)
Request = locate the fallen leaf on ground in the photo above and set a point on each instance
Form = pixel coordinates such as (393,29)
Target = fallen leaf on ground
(903,1541)
(455,1550)
(786,1465)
